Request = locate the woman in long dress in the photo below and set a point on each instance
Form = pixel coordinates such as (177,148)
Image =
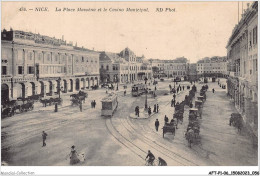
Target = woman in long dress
(74,156)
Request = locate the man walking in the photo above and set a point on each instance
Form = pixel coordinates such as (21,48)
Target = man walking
(154,108)
(149,111)
(94,103)
(157,123)
(157,108)
(80,106)
(166,119)
(213,90)
(44,136)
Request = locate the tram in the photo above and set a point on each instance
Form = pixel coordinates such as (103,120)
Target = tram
(109,105)
(138,89)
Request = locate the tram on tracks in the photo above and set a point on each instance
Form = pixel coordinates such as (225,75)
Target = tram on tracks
(109,105)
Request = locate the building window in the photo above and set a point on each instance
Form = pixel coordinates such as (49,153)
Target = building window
(30,70)
(20,70)
(4,70)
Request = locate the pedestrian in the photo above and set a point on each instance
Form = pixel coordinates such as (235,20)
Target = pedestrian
(73,156)
(124,92)
(44,136)
(149,111)
(177,89)
(94,103)
(157,123)
(157,108)
(155,88)
(174,96)
(166,120)
(213,90)
(172,103)
(182,87)
(154,108)
(80,106)
(91,104)
(138,111)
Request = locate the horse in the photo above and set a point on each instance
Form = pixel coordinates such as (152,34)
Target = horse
(190,136)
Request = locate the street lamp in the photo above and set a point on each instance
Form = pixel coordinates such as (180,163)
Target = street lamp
(145,106)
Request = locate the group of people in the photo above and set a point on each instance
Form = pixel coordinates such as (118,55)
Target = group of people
(166,120)
(93,104)
(151,159)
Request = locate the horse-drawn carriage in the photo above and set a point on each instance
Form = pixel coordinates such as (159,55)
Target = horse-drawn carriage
(193,129)
(179,110)
(50,101)
(200,98)
(169,127)
(11,107)
(95,87)
(199,106)
(193,114)
(236,120)
(109,105)
(76,99)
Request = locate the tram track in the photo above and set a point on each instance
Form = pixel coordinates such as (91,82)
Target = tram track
(125,131)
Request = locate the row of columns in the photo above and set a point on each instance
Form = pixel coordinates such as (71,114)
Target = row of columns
(25,89)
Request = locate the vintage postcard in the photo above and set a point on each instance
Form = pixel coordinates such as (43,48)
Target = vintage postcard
(121,83)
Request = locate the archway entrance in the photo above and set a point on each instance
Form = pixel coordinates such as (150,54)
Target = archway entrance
(77,84)
(5,93)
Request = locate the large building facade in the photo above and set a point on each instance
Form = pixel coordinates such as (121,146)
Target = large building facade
(33,64)
(242,55)
(123,67)
(215,66)
(171,68)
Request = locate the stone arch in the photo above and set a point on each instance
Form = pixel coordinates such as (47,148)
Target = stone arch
(77,84)
(70,89)
(91,81)
(4,93)
(49,88)
(31,89)
(83,85)
(87,83)
(96,81)
(65,86)
(21,90)
(42,87)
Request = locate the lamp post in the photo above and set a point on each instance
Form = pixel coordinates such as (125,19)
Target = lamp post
(145,106)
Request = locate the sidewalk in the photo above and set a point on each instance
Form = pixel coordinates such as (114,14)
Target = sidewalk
(223,143)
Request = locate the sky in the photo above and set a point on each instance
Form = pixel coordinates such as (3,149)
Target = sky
(194,29)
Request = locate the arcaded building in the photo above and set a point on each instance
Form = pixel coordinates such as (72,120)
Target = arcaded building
(33,64)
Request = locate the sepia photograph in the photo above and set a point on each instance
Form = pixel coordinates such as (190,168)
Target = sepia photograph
(123,83)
